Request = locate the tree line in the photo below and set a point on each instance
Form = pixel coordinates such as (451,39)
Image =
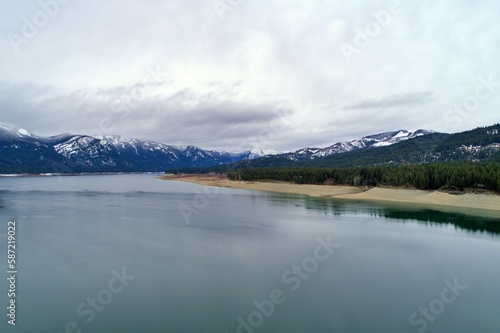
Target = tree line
(432,176)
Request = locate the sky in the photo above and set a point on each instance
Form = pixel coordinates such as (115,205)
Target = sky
(238,74)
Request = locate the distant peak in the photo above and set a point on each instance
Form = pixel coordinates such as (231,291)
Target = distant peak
(8,127)
(259,152)
(15,131)
(375,140)
(22,131)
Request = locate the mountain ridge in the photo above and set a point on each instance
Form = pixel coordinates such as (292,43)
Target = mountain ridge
(25,152)
(478,145)
(375,140)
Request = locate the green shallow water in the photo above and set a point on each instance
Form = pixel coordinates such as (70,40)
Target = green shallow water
(162,256)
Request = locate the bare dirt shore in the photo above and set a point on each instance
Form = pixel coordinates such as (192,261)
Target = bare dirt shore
(436,199)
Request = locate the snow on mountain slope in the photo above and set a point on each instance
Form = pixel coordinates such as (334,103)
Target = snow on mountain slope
(258,152)
(87,151)
(83,153)
(9,131)
(81,145)
(139,155)
(377,140)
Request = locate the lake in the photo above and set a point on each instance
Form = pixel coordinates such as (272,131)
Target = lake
(131,253)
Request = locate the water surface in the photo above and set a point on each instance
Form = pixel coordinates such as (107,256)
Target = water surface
(212,260)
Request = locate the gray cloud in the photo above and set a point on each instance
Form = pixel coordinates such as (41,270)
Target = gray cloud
(271,74)
(180,118)
(393,101)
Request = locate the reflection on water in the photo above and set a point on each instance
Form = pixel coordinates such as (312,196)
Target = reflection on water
(401,212)
(76,233)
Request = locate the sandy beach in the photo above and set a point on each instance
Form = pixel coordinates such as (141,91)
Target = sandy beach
(432,199)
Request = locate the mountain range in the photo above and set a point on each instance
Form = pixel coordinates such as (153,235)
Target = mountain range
(377,140)
(393,148)
(24,152)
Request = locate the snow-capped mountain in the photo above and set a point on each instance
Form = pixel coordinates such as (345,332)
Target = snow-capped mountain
(21,152)
(24,152)
(377,140)
(9,131)
(258,152)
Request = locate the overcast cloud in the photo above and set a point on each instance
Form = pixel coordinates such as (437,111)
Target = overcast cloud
(234,74)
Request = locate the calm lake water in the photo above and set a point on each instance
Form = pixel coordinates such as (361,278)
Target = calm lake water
(131,253)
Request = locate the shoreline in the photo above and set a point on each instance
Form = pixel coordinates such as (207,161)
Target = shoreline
(489,203)
(71,174)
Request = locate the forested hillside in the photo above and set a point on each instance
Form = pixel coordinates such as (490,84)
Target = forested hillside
(433,176)
(478,145)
